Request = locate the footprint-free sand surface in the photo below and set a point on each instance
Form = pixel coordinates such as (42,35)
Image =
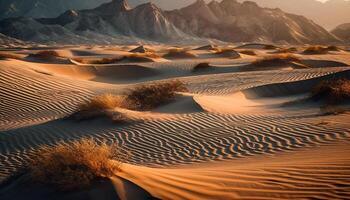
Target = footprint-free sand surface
(230,137)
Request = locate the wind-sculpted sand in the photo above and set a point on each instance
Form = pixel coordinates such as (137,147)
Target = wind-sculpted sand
(228,137)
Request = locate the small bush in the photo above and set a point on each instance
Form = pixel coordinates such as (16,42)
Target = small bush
(270,47)
(201,67)
(46,54)
(141,98)
(248,52)
(332,91)
(179,53)
(75,165)
(151,96)
(286,50)
(4,56)
(277,59)
(333,48)
(315,50)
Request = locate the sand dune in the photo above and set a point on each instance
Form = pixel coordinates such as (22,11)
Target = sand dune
(227,138)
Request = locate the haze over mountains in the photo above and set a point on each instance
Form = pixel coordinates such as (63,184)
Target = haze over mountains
(116,21)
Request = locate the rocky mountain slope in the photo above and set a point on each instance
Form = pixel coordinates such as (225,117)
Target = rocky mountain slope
(110,22)
(116,22)
(232,21)
(343,32)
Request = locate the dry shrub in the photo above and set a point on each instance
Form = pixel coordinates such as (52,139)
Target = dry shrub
(135,57)
(332,91)
(103,106)
(333,110)
(316,50)
(75,165)
(179,53)
(151,96)
(277,59)
(286,50)
(333,48)
(270,47)
(141,98)
(248,52)
(201,67)
(4,56)
(227,52)
(47,54)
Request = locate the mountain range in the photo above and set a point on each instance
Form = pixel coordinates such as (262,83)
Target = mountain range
(117,22)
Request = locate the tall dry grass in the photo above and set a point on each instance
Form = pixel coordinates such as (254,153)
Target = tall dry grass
(75,165)
(276,59)
(332,91)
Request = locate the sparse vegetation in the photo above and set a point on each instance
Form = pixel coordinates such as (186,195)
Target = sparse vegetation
(270,47)
(316,50)
(75,165)
(277,59)
(286,50)
(150,96)
(47,54)
(134,57)
(332,91)
(4,56)
(179,53)
(227,52)
(201,67)
(141,98)
(333,48)
(248,52)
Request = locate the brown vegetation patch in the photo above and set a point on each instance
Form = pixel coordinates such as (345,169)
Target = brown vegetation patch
(278,59)
(332,91)
(179,53)
(248,52)
(151,96)
(75,165)
(4,56)
(135,57)
(286,50)
(47,54)
(201,67)
(314,50)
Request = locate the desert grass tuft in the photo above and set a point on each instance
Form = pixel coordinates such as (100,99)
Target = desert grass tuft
(47,54)
(179,53)
(4,56)
(314,50)
(75,165)
(201,67)
(151,96)
(333,92)
(276,60)
(248,52)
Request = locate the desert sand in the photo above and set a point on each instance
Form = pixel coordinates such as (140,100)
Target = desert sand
(234,135)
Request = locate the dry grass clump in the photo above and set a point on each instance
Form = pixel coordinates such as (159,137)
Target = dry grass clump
(332,91)
(151,96)
(277,59)
(179,53)
(47,54)
(134,57)
(227,52)
(248,52)
(4,56)
(141,98)
(269,47)
(103,106)
(316,50)
(286,50)
(75,165)
(333,48)
(201,67)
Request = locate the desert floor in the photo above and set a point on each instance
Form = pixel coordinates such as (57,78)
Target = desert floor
(237,134)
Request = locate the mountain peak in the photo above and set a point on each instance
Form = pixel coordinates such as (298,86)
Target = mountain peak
(113,7)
